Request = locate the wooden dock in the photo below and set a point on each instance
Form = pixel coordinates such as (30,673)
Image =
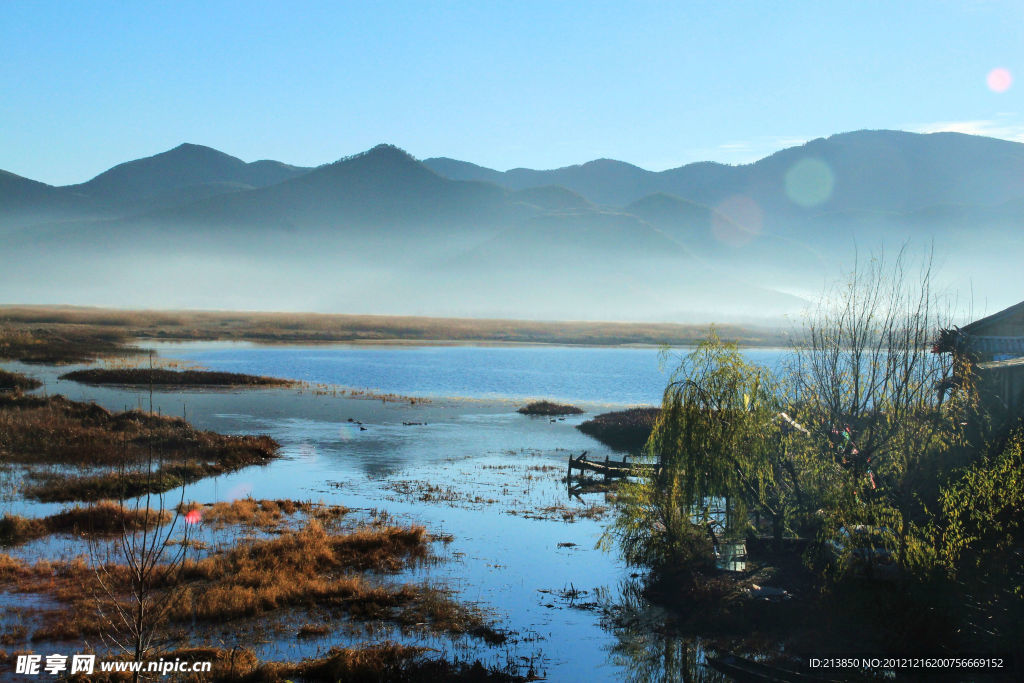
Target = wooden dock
(608,468)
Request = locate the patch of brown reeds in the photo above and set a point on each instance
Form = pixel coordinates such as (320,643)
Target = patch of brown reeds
(17,381)
(302,567)
(549,408)
(103,518)
(37,430)
(263,514)
(175,378)
(626,430)
(305,569)
(55,430)
(61,344)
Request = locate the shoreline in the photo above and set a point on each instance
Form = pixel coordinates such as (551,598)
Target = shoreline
(315,328)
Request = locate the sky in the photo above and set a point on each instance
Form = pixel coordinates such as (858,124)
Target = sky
(87,85)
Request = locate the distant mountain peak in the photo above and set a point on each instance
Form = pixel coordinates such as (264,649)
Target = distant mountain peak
(605,162)
(382,151)
(383,159)
(192,147)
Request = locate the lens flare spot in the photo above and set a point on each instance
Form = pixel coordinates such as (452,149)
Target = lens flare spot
(193,517)
(999,80)
(347,432)
(809,182)
(736,221)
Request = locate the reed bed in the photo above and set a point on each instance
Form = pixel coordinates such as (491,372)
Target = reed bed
(101,519)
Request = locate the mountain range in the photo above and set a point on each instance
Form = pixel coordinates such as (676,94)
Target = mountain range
(382,232)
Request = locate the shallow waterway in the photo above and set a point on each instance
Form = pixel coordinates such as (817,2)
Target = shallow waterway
(470,467)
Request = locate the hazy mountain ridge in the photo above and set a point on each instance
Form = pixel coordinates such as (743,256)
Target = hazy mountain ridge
(604,239)
(888,170)
(184,166)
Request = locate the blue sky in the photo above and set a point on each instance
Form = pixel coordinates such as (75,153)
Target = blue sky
(86,85)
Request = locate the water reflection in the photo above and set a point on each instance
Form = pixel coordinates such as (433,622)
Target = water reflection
(647,646)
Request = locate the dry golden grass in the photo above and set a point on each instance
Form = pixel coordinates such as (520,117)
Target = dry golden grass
(103,518)
(312,630)
(308,568)
(56,345)
(263,514)
(304,567)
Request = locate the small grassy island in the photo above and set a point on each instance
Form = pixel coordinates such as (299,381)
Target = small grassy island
(624,430)
(549,408)
(174,378)
(14,380)
(42,433)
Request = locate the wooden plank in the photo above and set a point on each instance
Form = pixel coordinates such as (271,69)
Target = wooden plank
(608,468)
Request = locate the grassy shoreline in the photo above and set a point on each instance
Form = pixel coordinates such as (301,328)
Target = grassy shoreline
(361,329)
(171,378)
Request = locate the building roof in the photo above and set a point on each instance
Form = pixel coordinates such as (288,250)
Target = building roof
(978,326)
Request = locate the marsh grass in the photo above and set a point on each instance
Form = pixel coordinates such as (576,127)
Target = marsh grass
(306,569)
(93,324)
(103,518)
(52,430)
(59,488)
(173,378)
(549,408)
(268,515)
(565,513)
(625,430)
(17,381)
(55,430)
(60,345)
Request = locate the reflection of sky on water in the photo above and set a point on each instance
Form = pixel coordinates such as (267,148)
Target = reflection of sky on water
(499,559)
(603,375)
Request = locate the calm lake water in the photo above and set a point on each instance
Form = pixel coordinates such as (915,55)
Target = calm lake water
(623,376)
(500,473)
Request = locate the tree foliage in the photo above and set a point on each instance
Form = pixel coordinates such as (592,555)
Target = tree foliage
(719,443)
(865,383)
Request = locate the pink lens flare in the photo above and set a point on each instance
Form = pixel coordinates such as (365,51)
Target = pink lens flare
(999,80)
(193,517)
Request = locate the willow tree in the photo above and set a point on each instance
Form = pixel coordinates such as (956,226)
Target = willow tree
(719,442)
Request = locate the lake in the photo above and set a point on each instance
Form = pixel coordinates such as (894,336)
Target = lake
(618,376)
(462,463)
